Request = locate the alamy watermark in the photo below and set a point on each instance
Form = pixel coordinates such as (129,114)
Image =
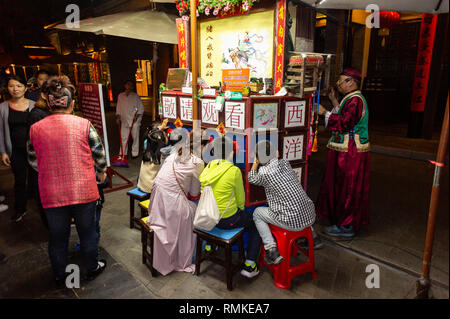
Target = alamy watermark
(373,279)
(73,19)
(73,277)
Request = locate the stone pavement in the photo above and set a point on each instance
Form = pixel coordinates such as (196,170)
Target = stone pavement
(394,240)
(27,273)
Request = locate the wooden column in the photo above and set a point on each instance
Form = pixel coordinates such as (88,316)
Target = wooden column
(423,284)
(194,46)
(154,84)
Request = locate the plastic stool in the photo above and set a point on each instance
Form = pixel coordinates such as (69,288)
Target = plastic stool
(225,238)
(136,194)
(283,273)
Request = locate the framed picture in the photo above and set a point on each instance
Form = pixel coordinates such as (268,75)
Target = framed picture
(237,42)
(169,107)
(265,116)
(186,109)
(295,114)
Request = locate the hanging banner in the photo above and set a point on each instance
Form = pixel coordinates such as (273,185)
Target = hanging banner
(92,106)
(183,43)
(424,55)
(279,45)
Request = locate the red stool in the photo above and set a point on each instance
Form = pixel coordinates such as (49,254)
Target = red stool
(283,273)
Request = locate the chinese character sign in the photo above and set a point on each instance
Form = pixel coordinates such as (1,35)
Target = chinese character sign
(294,115)
(186,109)
(235,115)
(209,114)
(280,37)
(424,55)
(293,147)
(91,105)
(183,43)
(169,107)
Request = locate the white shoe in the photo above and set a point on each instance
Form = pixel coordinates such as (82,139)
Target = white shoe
(3,208)
(2,198)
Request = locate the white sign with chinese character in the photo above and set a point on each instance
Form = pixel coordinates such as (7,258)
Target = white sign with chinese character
(293,147)
(235,115)
(298,172)
(169,107)
(295,113)
(209,114)
(186,109)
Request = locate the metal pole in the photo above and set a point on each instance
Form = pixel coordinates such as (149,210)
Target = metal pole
(423,284)
(194,62)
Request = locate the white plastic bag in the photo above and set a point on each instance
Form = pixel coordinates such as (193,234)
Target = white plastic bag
(207,215)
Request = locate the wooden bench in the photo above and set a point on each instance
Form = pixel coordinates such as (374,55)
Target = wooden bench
(147,238)
(136,194)
(223,238)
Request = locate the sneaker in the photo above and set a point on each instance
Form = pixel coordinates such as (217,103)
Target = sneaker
(93,274)
(17,217)
(250,271)
(303,243)
(344,231)
(273,256)
(3,208)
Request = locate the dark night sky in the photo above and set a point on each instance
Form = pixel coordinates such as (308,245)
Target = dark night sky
(23,21)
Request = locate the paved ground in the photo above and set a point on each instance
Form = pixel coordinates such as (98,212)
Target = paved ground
(394,241)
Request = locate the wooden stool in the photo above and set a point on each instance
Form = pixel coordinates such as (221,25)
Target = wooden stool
(136,194)
(283,273)
(147,236)
(225,238)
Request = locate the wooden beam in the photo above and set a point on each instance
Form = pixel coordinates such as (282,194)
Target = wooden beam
(194,46)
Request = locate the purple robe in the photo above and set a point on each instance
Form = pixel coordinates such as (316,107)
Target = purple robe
(344,193)
(171,214)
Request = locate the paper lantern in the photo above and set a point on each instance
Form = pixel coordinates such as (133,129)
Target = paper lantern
(389,18)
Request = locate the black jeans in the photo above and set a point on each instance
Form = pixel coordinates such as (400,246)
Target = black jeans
(244,219)
(59,219)
(22,172)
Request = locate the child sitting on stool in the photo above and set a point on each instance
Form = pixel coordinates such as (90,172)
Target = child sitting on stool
(289,206)
(155,140)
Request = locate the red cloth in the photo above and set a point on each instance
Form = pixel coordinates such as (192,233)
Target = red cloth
(64,160)
(344,193)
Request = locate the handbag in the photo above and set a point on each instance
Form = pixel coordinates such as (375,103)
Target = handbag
(207,215)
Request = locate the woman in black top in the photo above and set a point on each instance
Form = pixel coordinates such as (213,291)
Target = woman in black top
(14,117)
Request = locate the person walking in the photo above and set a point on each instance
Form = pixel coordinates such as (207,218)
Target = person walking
(34,93)
(344,194)
(14,128)
(70,159)
(129,108)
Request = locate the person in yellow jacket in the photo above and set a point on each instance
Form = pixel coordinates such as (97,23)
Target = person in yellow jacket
(228,188)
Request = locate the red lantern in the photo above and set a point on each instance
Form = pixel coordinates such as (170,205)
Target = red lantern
(389,18)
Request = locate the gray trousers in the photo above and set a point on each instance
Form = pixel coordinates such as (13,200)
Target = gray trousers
(262,218)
